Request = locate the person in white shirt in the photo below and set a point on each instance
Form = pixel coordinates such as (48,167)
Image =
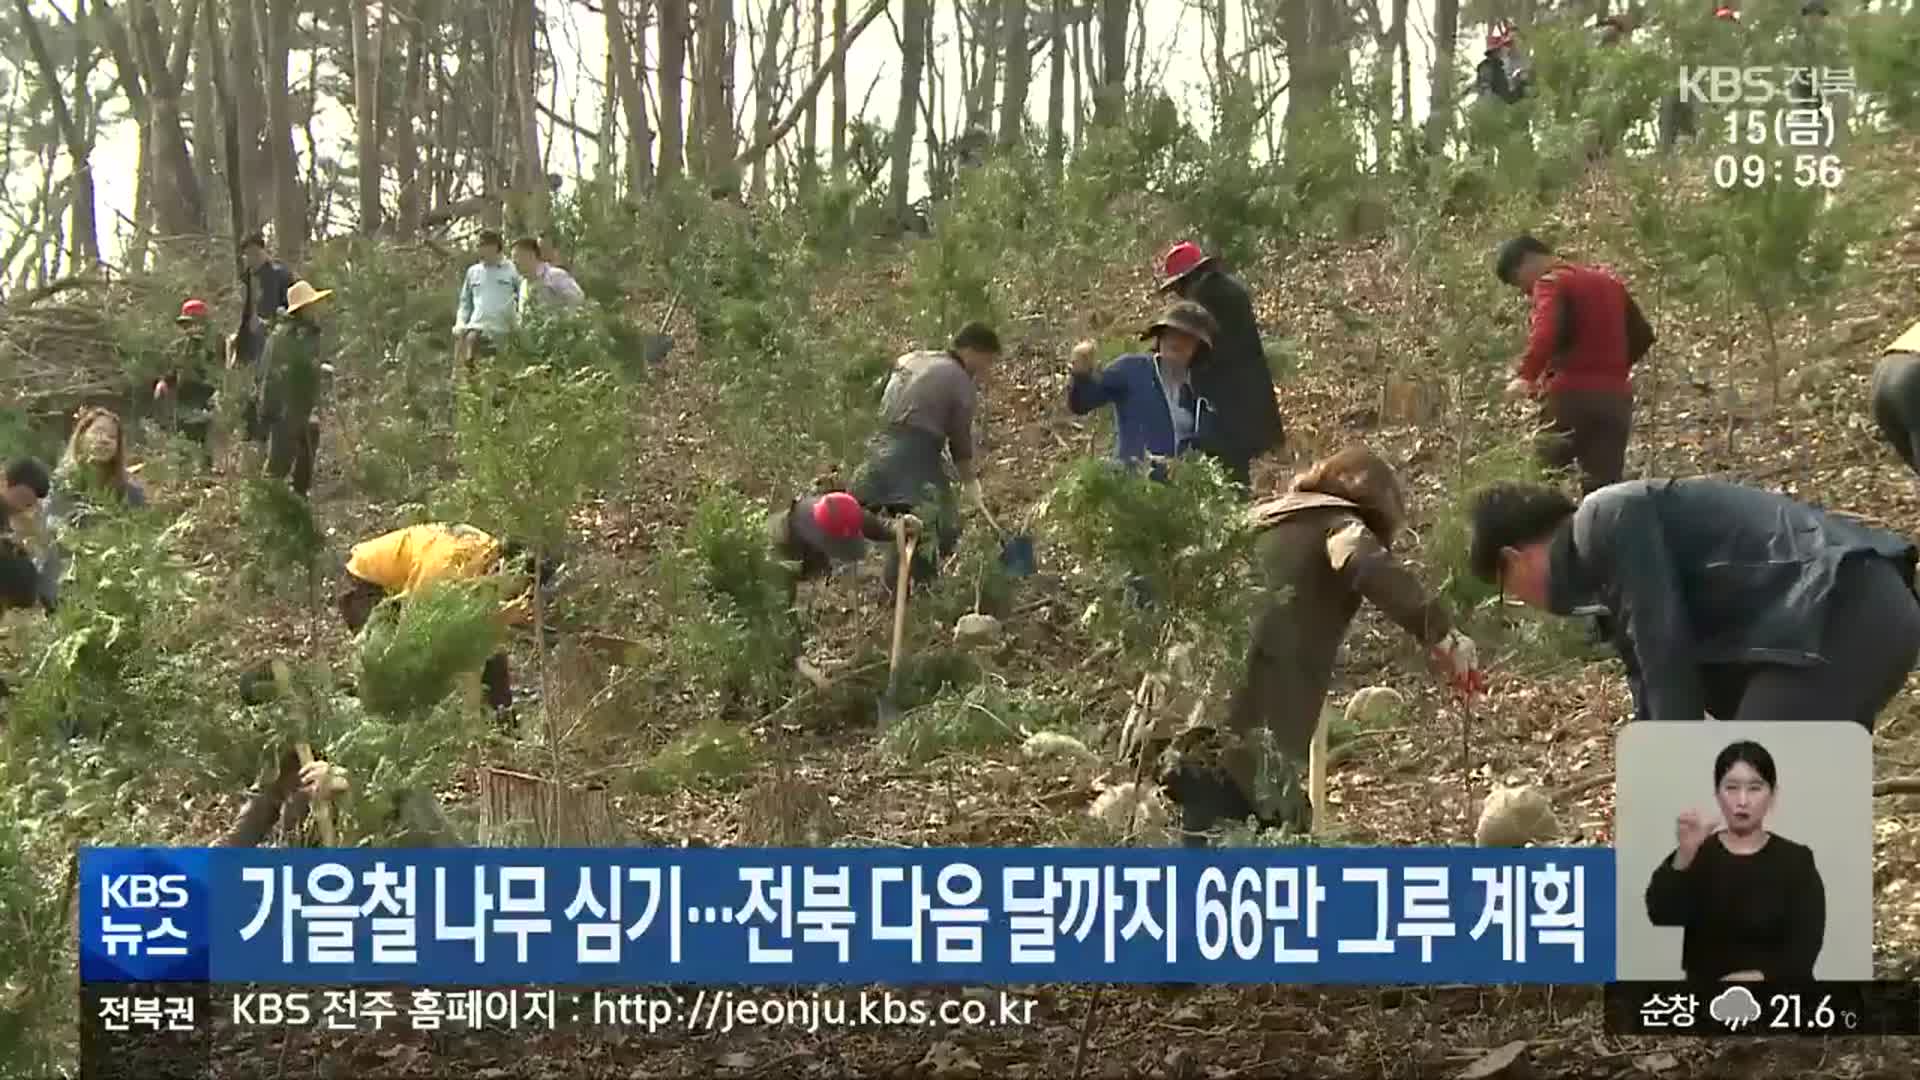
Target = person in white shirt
(489,301)
(541,281)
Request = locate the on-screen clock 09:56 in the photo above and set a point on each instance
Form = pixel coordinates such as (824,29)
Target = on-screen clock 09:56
(1759,170)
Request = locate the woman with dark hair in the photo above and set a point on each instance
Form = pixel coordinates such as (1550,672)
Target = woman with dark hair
(1752,902)
(1325,547)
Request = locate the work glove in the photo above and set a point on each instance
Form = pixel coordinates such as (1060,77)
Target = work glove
(907,527)
(1457,657)
(321,781)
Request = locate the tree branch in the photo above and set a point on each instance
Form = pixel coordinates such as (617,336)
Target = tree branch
(787,123)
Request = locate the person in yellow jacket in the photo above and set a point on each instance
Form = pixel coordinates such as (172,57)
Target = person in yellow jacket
(397,564)
(1896,396)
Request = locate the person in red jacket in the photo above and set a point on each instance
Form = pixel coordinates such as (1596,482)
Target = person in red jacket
(1585,336)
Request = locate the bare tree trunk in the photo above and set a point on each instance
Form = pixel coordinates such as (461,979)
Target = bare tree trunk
(980,95)
(530,178)
(766,74)
(1110,97)
(716,76)
(840,90)
(1057,61)
(366,116)
(1080,82)
(246,76)
(1019,71)
(810,129)
(913,33)
(1446,32)
(206,117)
(424,16)
(628,58)
(289,198)
(673,76)
(1401,15)
(85,233)
(177,199)
(120,48)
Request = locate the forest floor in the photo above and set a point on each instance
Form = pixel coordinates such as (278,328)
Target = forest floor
(1704,408)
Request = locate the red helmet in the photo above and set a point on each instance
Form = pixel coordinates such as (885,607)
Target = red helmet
(193,309)
(1725,12)
(1180,260)
(838,514)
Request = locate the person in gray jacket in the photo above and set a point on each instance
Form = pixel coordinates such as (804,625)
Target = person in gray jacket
(1721,599)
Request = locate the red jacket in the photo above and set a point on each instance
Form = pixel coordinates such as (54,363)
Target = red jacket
(1586,331)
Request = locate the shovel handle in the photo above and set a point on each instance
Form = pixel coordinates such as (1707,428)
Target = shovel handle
(901,586)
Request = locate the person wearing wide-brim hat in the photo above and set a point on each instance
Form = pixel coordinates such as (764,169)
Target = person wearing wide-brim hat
(290,387)
(1237,379)
(1159,412)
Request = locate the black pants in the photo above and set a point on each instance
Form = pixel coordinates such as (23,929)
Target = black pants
(357,601)
(293,435)
(195,399)
(944,517)
(1587,428)
(1871,640)
(1896,405)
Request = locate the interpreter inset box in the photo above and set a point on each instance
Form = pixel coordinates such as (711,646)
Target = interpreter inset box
(1745,851)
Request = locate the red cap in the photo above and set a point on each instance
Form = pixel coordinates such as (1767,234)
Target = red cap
(1180,260)
(1724,12)
(193,309)
(838,514)
(1499,39)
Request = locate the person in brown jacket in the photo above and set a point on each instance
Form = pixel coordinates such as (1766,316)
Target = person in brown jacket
(1325,546)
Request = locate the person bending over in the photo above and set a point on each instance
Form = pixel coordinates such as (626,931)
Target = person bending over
(1720,599)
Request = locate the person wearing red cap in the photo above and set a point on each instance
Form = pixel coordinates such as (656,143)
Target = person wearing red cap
(816,533)
(1235,380)
(1498,74)
(193,363)
(820,532)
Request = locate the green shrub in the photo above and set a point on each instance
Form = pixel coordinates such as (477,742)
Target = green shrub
(412,654)
(712,752)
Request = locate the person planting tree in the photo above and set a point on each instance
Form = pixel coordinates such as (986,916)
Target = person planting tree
(399,563)
(817,533)
(928,409)
(1722,599)
(1585,335)
(1325,547)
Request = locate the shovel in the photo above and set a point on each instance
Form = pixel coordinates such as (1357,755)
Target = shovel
(889,707)
(655,347)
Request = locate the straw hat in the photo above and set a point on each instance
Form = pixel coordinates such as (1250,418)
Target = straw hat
(301,294)
(1187,317)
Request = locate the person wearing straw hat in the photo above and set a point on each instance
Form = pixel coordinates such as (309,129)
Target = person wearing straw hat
(1237,379)
(1159,412)
(290,387)
(192,362)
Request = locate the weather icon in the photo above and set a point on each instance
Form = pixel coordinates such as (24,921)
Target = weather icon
(1735,1007)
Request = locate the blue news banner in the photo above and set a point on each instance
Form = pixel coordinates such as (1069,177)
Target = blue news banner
(500,916)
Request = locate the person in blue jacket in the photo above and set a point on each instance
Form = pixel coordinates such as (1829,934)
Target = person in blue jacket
(1157,412)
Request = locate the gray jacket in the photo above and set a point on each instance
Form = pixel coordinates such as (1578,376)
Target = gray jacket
(1698,571)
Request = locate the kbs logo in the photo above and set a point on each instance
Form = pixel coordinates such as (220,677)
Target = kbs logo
(161,891)
(1729,85)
